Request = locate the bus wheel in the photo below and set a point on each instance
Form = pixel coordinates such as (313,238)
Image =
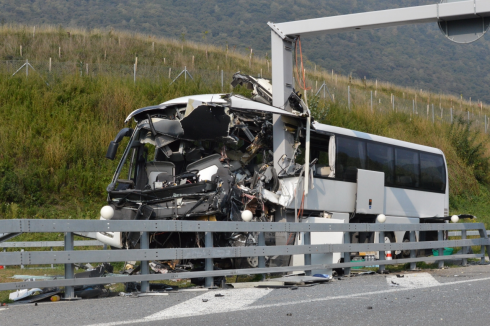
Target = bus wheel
(406,253)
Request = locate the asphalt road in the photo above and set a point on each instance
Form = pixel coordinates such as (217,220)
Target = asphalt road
(454,296)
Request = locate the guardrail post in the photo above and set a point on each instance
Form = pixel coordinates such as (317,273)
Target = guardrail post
(464,249)
(381,253)
(69,268)
(52,266)
(307,242)
(208,265)
(145,270)
(347,254)
(262,258)
(21,266)
(484,235)
(413,253)
(5,250)
(440,237)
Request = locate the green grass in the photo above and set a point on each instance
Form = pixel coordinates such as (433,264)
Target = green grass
(54,138)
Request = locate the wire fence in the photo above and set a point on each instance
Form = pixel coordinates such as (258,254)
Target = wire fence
(351,96)
(330,89)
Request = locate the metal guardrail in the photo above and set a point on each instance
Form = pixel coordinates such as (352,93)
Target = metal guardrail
(68,257)
(49,244)
(468,233)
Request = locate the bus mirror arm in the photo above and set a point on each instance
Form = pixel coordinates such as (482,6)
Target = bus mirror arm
(113,145)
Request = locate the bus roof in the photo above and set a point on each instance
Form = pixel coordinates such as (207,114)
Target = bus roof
(358,134)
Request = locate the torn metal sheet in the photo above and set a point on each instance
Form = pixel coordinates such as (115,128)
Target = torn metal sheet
(301,279)
(24,293)
(209,158)
(262,88)
(171,128)
(206,122)
(46,293)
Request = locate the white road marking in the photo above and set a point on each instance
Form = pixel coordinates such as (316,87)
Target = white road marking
(233,300)
(281,304)
(413,281)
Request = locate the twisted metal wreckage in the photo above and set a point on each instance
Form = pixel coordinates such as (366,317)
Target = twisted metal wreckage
(205,157)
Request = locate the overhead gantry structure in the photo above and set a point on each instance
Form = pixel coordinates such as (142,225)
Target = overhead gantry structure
(461,22)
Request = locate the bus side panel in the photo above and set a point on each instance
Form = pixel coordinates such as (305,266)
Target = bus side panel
(329,195)
(405,202)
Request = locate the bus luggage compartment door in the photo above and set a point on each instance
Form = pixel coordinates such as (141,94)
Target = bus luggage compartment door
(370,192)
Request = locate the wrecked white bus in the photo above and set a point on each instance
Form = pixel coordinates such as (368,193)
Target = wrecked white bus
(211,157)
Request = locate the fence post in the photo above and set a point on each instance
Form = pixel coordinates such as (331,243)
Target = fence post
(413,253)
(324,88)
(393,100)
(262,258)
(221,80)
(145,244)
(371,101)
(464,250)
(208,265)
(432,113)
(348,96)
(485,123)
(451,115)
(381,253)
(307,242)
(440,237)
(69,270)
(134,73)
(27,68)
(347,254)
(413,109)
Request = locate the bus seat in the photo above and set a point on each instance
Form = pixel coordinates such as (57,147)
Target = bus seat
(322,170)
(160,171)
(210,167)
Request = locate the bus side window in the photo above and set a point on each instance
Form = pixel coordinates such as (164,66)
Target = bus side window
(320,147)
(407,168)
(432,172)
(351,155)
(380,158)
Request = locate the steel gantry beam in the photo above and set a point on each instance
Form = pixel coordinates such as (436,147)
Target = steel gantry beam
(283,34)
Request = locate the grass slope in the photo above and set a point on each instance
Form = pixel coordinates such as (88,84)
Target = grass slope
(54,138)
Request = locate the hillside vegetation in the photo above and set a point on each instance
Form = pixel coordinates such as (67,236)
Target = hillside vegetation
(55,135)
(418,56)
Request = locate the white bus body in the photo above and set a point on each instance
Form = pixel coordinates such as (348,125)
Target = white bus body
(212,157)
